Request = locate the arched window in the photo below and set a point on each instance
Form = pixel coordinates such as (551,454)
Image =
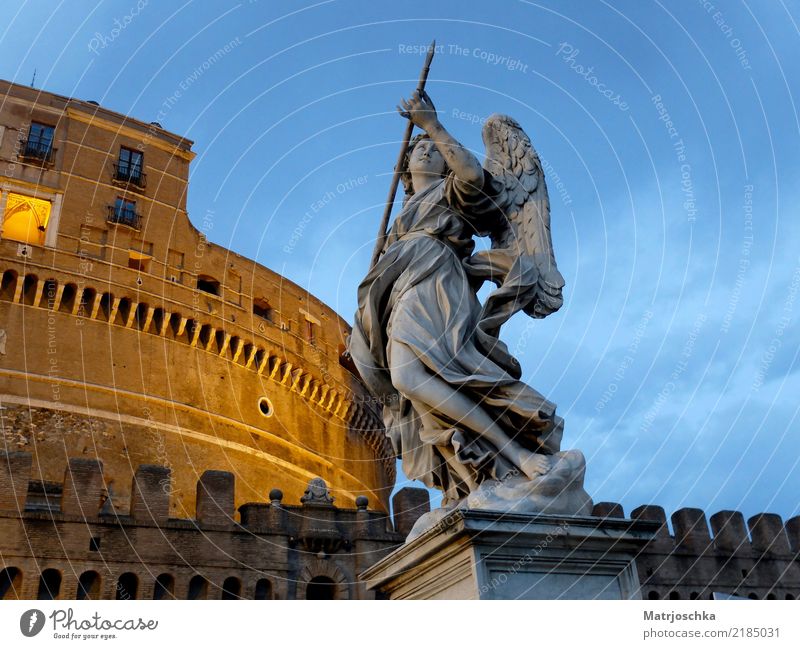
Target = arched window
(164,588)
(321,588)
(198,588)
(88,586)
(68,298)
(123,311)
(11,583)
(106,304)
(127,586)
(264,589)
(29,285)
(231,588)
(674,595)
(48,299)
(49,584)
(8,286)
(653,595)
(140,315)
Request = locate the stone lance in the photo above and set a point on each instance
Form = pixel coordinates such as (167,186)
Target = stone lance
(387,212)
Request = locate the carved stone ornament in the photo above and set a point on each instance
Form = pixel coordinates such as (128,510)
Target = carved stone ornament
(317,493)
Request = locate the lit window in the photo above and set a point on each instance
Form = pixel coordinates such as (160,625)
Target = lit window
(40,142)
(138,261)
(25,219)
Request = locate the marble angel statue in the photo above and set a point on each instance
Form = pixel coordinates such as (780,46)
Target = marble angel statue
(455,409)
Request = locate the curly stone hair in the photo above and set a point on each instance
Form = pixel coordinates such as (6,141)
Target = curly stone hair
(405,174)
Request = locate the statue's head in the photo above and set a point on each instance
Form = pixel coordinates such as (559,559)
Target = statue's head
(422,157)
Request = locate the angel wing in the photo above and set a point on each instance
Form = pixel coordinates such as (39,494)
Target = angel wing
(522,260)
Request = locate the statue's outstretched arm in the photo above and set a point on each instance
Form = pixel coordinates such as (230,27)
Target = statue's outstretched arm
(420,110)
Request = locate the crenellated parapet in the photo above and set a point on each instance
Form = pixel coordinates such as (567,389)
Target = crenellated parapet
(763,533)
(73,527)
(758,558)
(292,547)
(314,523)
(83,494)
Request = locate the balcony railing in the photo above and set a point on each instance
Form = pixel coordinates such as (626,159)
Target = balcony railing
(38,150)
(124,216)
(130,175)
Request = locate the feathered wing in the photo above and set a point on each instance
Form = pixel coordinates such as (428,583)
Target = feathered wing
(521,261)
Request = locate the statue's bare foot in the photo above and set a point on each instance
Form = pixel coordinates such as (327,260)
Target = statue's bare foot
(534,465)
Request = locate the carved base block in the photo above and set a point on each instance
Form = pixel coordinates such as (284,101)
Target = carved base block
(492,555)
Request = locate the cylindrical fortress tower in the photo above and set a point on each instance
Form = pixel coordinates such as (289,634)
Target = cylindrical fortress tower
(127,337)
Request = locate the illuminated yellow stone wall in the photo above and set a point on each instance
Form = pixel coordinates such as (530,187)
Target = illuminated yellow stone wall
(106,329)
(25,218)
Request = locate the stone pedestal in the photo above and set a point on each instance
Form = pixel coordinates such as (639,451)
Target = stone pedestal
(473,554)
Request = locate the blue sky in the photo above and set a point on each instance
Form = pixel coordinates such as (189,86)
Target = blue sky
(673,129)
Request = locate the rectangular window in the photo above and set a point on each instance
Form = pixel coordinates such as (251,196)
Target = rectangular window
(311,337)
(124,211)
(262,308)
(40,142)
(138,261)
(130,166)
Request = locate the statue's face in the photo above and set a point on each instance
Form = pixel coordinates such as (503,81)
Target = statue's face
(425,158)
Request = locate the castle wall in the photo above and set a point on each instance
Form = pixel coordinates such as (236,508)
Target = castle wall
(128,336)
(72,528)
(760,560)
(266,545)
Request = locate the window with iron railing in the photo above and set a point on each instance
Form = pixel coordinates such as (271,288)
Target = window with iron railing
(123,211)
(129,167)
(39,145)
